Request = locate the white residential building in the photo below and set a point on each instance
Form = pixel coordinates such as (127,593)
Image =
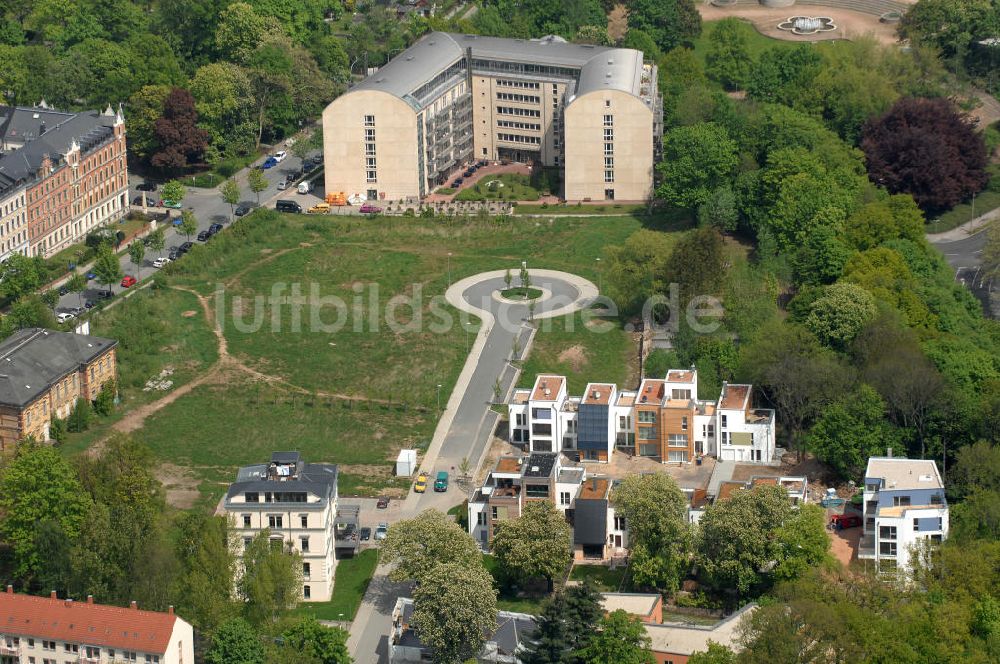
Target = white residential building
(297,503)
(13,223)
(904,509)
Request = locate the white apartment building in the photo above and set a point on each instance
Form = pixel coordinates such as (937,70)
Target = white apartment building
(904,509)
(49,630)
(297,503)
(13,223)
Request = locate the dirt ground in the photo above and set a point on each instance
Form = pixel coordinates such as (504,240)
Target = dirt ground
(850,24)
(180,485)
(687,476)
(617,22)
(575,356)
(844,544)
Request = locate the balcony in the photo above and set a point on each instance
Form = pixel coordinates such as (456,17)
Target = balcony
(345,529)
(85,659)
(866,547)
(10,651)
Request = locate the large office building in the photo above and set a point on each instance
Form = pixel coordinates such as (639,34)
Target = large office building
(61,175)
(592,111)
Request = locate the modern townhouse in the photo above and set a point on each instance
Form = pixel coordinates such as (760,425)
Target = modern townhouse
(904,509)
(49,630)
(592,111)
(61,175)
(663,419)
(598,534)
(296,502)
(42,375)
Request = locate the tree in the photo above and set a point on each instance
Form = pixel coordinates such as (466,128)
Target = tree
(714,654)
(655,512)
(188,225)
(670,23)
(230,194)
(821,257)
(728,60)
(507,278)
(179,139)
(641,41)
(77,284)
(224,100)
(697,159)
(991,251)
(104,404)
(565,626)
(537,543)
(592,34)
(271,582)
(107,267)
(174,191)
(840,313)
(136,253)
(876,223)
(925,148)
(240,30)
(38,485)
(620,639)
(235,642)
(158,240)
(145,107)
(50,298)
(635,270)
(204,586)
(720,210)
(257,182)
(785,75)
(850,430)
(327,645)
(418,545)
(454,608)
(19,275)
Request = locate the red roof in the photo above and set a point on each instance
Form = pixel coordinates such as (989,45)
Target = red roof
(85,623)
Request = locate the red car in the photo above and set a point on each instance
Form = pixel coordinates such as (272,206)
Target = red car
(368,208)
(128,281)
(841,521)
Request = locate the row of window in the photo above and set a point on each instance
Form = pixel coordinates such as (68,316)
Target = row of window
(90,652)
(524,85)
(523,99)
(511,124)
(521,112)
(517,138)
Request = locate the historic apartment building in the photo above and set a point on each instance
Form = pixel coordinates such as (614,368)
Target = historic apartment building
(663,419)
(49,630)
(61,175)
(296,502)
(592,111)
(43,373)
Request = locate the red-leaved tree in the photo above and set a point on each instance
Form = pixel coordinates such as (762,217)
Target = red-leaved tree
(926,148)
(180,140)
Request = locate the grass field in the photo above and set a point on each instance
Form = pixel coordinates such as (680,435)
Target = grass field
(605,578)
(349,396)
(350,584)
(580,210)
(506,187)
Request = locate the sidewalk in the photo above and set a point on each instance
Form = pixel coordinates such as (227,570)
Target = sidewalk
(965,230)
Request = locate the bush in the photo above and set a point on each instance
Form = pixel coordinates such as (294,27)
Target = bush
(79,418)
(57,430)
(105,403)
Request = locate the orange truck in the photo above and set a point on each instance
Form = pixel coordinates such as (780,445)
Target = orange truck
(336,198)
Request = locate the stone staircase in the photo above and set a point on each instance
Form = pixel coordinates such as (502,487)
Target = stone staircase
(874,7)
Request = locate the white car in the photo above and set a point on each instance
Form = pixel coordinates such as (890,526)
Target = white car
(280,155)
(64,316)
(381,531)
(160,262)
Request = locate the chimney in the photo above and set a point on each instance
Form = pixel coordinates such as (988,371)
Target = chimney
(170,610)
(10,589)
(90,599)
(69,603)
(888,452)
(593,483)
(52,595)
(132,605)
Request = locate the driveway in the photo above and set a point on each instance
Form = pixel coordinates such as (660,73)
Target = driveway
(467,423)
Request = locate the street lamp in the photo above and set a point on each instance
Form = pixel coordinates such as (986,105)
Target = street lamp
(449,269)
(439,397)
(599,275)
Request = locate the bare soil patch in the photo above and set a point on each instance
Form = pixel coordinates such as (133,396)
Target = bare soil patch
(617,22)
(180,485)
(575,356)
(189,313)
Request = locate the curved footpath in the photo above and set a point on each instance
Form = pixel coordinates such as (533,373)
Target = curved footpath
(467,422)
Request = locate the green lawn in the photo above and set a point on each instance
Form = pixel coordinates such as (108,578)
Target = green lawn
(580,209)
(521,293)
(350,583)
(506,600)
(605,578)
(986,200)
(506,187)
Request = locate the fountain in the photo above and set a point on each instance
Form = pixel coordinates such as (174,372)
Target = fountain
(807,25)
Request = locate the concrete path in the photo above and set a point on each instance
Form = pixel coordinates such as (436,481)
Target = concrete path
(723,472)
(467,423)
(967,229)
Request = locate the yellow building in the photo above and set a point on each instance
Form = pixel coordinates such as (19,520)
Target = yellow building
(451,99)
(43,373)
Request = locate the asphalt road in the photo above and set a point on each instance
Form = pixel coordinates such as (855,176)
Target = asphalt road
(208,208)
(470,431)
(965,257)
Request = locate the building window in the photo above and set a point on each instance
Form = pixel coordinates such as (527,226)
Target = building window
(647,417)
(369,134)
(609,194)
(619,523)
(609,162)
(494,512)
(304,544)
(609,134)
(369,120)
(370,176)
(370,149)
(609,175)
(677,457)
(48,645)
(246,520)
(684,424)
(887,532)
(520,419)
(274,521)
(306,570)
(246,541)
(251,497)
(306,592)
(304,520)
(647,433)
(370,162)
(609,120)
(372,194)
(481,518)
(564,498)
(887,548)
(936,499)
(609,148)
(723,421)
(624,422)
(677,440)
(900,501)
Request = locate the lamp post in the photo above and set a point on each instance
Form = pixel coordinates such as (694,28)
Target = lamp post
(449,269)
(439,397)
(600,276)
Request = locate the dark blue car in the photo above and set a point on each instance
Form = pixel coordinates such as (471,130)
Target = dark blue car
(270,162)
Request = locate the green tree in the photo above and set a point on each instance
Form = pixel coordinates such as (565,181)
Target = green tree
(454,608)
(728,60)
(77,284)
(696,160)
(431,538)
(37,485)
(257,182)
(822,256)
(991,251)
(620,639)
(655,512)
(326,645)
(174,191)
(271,582)
(145,107)
(235,642)
(107,267)
(79,418)
(19,275)
(592,34)
(104,404)
(50,298)
(158,240)
(240,30)
(189,225)
(136,254)
(204,586)
(851,430)
(537,543)
(225,104)
(720,210)
(230,194)
(641,41)
(840,313)
(714,654)
(636,270)
(565,626)
(671,23)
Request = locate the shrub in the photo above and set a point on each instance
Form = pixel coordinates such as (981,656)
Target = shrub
(57,430)
(105,402)
(79,418)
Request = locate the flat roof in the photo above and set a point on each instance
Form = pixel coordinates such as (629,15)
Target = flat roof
(734,397)
(626,398)
(599,394)
(595,488)
(508,464)
(727,489)
(539,464)
(688,639)
(680,376)
(547,387)
(520,396)
(651,391)
(900,473)
(896,512)
(637,604)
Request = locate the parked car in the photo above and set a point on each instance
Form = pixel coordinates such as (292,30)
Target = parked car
(63,290)
(160,262)
(319,208)
(421,484)
(468,174)
(457,183)
(64,316)
(309,165)
(305,187)
(441,482)
(280,155)
(170,204)
(383,502)
(841,521)
(174,254)
(293,176)
(270,162)
(105,294)
(282,185)
(89,304)
(138,200)
(215,228)
(91,275)
(146,186)
(368,208)
(288,206)
(184,248)
(204,236)
(76,311)
(381,531)
(365,534)
(242,209)
(481,163)
(128,281)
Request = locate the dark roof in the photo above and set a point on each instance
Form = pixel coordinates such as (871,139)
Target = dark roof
(590,521)
(319,479)
(512,630)
(31,360)
(539,464)
(285,457)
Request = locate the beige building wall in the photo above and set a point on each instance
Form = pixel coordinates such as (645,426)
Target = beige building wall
(486,91)
(344,148)
(632,147)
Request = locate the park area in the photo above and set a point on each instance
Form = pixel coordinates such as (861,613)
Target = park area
(218,369)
